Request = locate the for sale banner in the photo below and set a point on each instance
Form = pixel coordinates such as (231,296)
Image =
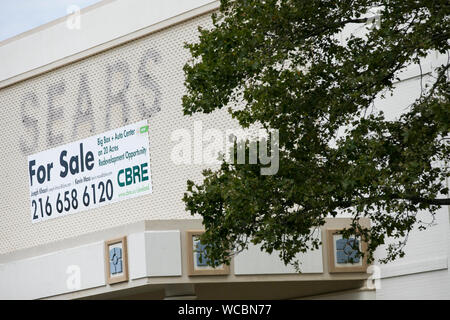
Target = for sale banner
(90,173)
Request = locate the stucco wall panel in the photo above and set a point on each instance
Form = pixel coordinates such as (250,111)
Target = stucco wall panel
(142,79)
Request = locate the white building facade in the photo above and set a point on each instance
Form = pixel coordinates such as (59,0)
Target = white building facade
(116,64)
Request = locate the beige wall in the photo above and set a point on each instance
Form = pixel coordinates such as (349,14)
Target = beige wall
(150,273)
(42,112)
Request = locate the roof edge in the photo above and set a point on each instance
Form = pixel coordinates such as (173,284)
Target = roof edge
(187,15)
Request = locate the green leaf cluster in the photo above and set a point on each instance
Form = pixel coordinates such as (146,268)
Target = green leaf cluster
(283,64)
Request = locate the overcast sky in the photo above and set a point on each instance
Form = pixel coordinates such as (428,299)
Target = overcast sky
(17,16)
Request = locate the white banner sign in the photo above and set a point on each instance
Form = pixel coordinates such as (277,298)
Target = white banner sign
(90,173)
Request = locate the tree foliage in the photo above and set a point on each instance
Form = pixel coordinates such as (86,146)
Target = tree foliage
(286,66)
